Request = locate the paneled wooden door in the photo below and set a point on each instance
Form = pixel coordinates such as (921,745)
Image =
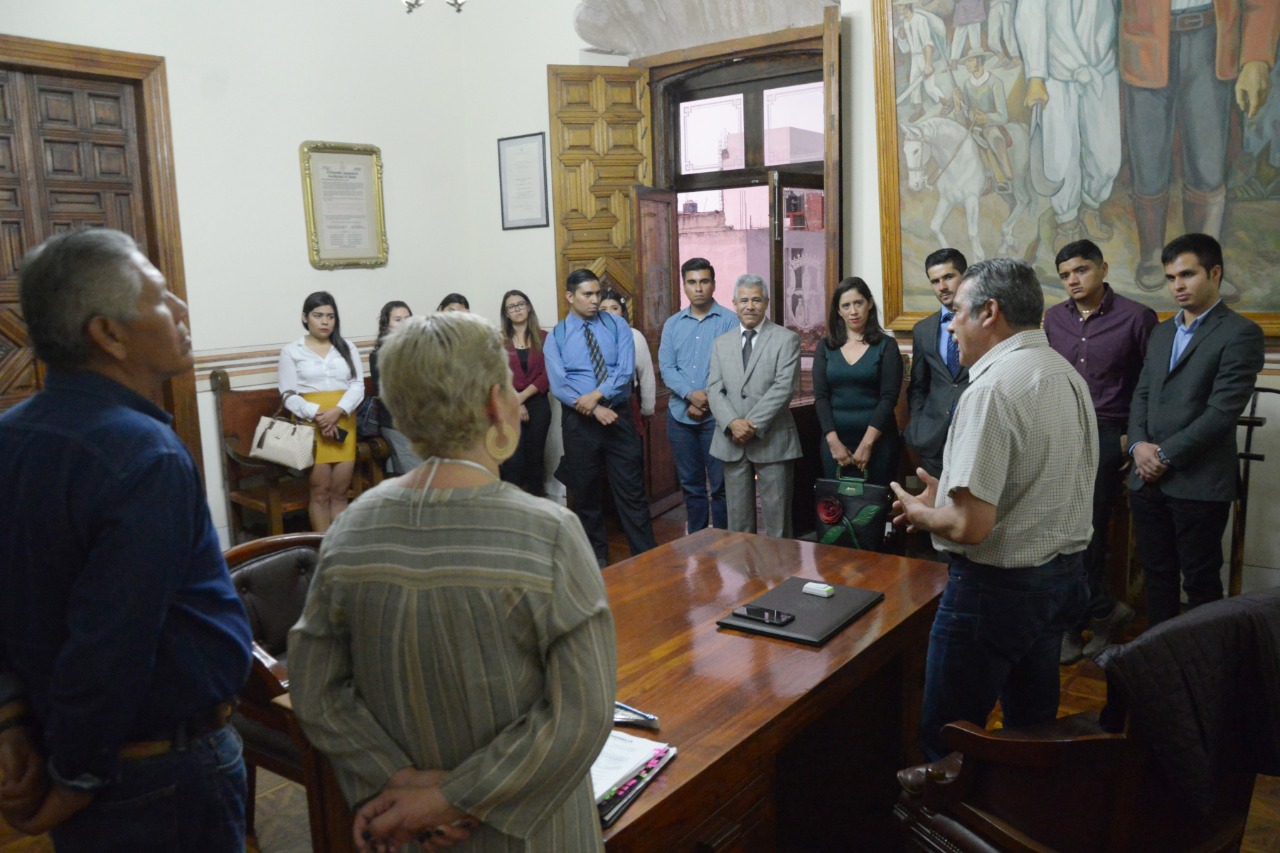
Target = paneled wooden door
(600,156)
(84,142)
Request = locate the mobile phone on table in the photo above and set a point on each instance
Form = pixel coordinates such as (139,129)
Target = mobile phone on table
(767,615)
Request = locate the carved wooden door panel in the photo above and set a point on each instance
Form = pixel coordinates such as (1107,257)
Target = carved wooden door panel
(19,370)
(600,147)
(68,159)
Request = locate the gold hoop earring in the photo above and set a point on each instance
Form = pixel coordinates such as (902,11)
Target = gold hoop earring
(500,445)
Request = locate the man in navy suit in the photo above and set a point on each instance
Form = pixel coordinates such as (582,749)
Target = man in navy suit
(1198,376)
(937,377)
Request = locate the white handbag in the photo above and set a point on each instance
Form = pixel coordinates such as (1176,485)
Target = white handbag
(284,442)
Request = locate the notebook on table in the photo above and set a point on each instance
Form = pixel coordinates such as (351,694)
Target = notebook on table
(816,620)
(624,768)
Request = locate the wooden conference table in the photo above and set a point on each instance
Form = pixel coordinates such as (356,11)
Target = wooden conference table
(781,746)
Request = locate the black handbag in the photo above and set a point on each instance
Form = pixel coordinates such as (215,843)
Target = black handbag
(851,512)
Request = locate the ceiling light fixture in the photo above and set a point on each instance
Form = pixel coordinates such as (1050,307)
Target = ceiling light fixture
(410,5)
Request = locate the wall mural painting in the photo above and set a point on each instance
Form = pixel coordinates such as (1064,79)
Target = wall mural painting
(1013,127)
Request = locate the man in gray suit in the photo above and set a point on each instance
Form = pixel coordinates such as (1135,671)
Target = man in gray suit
(937,377)
(1198,376)
(754,371)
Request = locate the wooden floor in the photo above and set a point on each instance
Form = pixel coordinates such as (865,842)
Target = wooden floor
(281,805)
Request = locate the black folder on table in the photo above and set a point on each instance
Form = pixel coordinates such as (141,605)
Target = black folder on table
(817,619)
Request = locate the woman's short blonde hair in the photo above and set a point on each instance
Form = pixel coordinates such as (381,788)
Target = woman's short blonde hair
(436,372)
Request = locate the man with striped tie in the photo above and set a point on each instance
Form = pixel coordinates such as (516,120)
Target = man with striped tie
(937,377)
(590,359)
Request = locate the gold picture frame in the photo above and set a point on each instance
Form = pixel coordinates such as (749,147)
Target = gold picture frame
(342,201)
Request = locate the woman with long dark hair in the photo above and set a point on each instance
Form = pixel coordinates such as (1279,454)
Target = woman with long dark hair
(523,337)
(857,376)
(403,458)
(321,381)
(454,302)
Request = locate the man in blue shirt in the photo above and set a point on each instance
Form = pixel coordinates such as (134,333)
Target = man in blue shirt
(684,357)
(591,362)
(122,640)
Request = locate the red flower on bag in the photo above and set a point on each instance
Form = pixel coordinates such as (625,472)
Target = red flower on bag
(830,510)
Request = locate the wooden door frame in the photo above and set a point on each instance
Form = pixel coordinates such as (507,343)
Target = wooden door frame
(160,188)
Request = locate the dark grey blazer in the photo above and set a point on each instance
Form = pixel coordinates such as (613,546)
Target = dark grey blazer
(931,395)
(1191,411)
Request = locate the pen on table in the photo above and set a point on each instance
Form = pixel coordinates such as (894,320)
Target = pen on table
(635,711)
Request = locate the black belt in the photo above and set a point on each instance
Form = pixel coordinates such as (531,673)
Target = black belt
(178,735)
(1185,22)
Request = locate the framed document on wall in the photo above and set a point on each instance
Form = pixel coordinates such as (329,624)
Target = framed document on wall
(342,198)
(522,177)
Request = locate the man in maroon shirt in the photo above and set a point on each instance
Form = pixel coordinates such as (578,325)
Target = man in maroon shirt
(1104,335)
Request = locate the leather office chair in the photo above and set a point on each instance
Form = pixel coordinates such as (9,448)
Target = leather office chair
(1169,765)
(272,576)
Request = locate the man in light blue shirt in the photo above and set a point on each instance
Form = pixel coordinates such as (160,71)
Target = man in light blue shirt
(684,357)
(590,359)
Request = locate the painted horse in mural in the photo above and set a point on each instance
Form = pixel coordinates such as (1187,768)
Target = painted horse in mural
(940,153)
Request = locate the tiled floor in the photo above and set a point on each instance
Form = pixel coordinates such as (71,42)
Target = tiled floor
(282,808)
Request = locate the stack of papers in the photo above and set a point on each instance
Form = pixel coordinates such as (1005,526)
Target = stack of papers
(622,770)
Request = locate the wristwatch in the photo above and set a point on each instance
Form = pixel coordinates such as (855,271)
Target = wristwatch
(1164,459)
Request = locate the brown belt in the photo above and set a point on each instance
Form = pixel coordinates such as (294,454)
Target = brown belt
(1188,21)
(201,724)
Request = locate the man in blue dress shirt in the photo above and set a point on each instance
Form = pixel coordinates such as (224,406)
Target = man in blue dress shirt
(122,640)
(590,360)
(684,357)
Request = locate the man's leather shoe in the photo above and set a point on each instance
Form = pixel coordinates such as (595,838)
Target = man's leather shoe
(912,779)
(1107,629)
(1072,648)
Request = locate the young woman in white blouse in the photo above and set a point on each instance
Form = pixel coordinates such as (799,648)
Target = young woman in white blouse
(321,381)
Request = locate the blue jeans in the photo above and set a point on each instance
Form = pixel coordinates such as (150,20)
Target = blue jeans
(997,636)
(184,801)
(695,466)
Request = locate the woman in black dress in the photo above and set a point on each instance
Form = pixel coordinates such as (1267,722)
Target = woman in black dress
(857,376)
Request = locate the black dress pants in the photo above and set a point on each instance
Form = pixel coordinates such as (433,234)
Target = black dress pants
(1178,537)
(525,468)
(590,447)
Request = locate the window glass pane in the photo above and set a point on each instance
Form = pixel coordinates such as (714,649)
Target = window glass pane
(711,135)
(730,228)
(804,264)
(793,124)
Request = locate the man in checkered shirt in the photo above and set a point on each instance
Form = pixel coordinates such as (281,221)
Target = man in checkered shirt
(1011,509)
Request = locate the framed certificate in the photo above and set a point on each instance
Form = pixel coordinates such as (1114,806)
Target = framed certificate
(522,177)
(342,199)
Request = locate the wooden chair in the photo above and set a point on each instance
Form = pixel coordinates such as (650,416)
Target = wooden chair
(271,576)
(1133,778)
(263,487)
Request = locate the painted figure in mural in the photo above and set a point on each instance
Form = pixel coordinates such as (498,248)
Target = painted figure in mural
(966,26)
(922,35)
(1255,175)
(981,101)
(1000,37)
(1069,59)
(1179,61)
(946,146)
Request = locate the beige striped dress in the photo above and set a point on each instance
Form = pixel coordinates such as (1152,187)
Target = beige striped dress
(464,630)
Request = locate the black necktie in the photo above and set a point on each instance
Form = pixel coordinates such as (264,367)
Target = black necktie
(746,346)
(597,358)
(953,347)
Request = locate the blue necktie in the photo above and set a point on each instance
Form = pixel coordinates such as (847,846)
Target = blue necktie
(953,348)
